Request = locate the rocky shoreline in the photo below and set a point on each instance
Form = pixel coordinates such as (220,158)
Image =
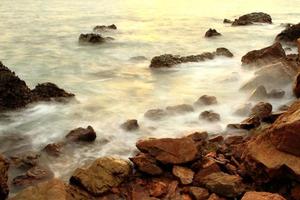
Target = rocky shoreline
(260,161)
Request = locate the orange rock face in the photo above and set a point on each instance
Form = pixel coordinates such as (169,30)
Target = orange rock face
(262,196)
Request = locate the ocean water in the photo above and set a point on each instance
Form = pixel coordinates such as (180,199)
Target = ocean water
(39,41)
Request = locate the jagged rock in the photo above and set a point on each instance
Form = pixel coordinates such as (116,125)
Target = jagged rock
(224,52)
(93,38)
(4,165)
(53,149)
(130,125)
(210,116)
(259,93)
(168,150)
(199,193)
(264,56)
(212,33)
(103,174)
(47,91)
(206,100)
(261,110)
(155,114)
(82,134)
(182,108)
(290,34)
(227,21)
(105,28)
(256,17)
(261,196)
(185,175)
(146,163)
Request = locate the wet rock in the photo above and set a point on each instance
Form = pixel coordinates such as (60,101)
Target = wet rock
(290,34)
(216,139)
(273,117)
(261,196)
(155,114)
(105,28)
(25,160)
(261,110)
(259,93)
(47,91)
(168,150)
(185,175)
(224,52)
(206,100)
(243,110)
(215,197)
(130,125)
(227,21)
(4,166)
(264,56)
(82,134)
(210,116)
(296,86)
(53,149)
(212,33)
(224,184)
(247,124)
(166,60)
(199,193)
(284,132)
(92,38)
(147,164)
(158,188)
(179,109)
(32,176)
(198,136)
(53,189)
(103,174)
(256,17)
(276,93)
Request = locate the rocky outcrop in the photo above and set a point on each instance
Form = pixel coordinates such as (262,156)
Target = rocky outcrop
(4,166)
(103,174)
(212,33)
(104,27)
(255,17)
(290,34)
(169,60)
(93,38)
(264,56)
(262,196)
(82,134)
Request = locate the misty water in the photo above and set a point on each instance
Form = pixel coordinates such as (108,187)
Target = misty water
(39,41)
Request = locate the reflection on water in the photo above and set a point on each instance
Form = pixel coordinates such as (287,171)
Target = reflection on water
(39,42)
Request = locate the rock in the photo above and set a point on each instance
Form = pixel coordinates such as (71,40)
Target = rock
(199,193)
(276,93)
(264,56)
(185,175)
(227,21)
(105,28)
(261,196)
(284,131)
(198,136)
(250,123)
(168,150)
(259,93)
(273,117)
(14,92)
(296,86)
(215,197)
(25,160)
(32,176)
(155,114)
(243,110)
(158,188)
(53,149)
(261,110)
(206,100)
(166,60)
(224,184)
(182,108)
(255,17)
(52,190)
(82,134)
(295,192)
(207,168)
(4,166)
(290,34)
(130,125)
(210,116)
(212,33)
(92,38)
(47,91)
(147,164)
(103,174)
(224,52)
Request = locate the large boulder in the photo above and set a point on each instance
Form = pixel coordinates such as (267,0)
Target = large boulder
(290,34)
(48,91)
(4,165)
(82,134)
(261,110)
(168,150)
(103,174)
(255,17)
(264,56)
(262,196)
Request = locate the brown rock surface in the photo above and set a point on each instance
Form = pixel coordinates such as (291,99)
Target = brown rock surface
(290,34)
(185,175)
(257,17)
(261,196)
(147,164)
(4,166)
(82,134)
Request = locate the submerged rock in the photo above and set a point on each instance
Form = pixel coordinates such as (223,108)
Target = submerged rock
(261,196)
(259,93)
(223,52)
(47,91)
(212,33)
(209,115)
(168,150)
(243,110)
(82,134)
(93,38)
(227,21)
(179,109)
(103,174)
(53,149)
(276,93)
(206,100)
(105,28)
(255,17)
(4,165)
(290,34)
(155,114)
(130,125)
(264,56)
